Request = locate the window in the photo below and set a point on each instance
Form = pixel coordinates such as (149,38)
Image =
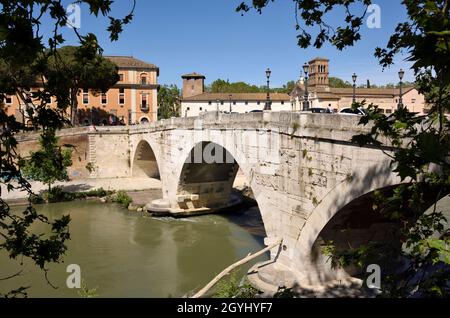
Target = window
(104,99)
(121,96)
(120,77)
(144,80)
(282,102)
(129,117)
(258,103)
(221,103)
(413,101)
(209,103)
(85,96)
(246,103)
(144,103)
(188,108)
(8,100)
(234,103)
(388,111)
(201,108)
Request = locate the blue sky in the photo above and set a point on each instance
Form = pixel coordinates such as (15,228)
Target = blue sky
(209,37)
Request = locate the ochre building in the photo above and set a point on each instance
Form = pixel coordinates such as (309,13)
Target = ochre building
(132,100)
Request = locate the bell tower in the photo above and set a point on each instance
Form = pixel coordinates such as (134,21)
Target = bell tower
(318,72)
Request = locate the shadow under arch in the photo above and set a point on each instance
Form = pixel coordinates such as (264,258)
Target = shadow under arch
(206,177)
(349,221)
(145,163)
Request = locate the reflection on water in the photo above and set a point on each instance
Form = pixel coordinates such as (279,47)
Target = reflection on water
(126,254)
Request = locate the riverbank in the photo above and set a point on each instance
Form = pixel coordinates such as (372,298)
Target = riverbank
(130,185)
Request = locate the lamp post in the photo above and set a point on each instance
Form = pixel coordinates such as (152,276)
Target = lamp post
(305,97)
(230,102)
(268,105)
(354,77)
(401,73)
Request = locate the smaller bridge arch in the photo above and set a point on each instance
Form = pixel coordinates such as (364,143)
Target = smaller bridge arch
(145,162)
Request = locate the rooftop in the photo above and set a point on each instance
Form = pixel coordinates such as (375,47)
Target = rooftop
(131,62)
(193,75)
(334,92)
(238,97)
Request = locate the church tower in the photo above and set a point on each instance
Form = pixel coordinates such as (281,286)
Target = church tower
(318,72)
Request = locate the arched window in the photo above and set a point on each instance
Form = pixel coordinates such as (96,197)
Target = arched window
(143,79)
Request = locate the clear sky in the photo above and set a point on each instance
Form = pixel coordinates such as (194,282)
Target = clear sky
(209,37)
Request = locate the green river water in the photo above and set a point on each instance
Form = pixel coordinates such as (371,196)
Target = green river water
(129,254)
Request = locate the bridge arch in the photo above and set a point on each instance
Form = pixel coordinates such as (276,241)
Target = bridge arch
(208,171)
(145,161)
(352,191)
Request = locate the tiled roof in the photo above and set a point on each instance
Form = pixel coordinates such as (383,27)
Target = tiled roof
(370,91)
(193,75)
(238,97)
(319,59)
(332,92)
(130,62)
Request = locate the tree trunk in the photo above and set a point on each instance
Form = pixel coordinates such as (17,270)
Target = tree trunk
(230,268)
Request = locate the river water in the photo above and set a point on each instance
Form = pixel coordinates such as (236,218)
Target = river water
(130,254)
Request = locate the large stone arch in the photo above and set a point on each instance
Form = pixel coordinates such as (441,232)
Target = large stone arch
(360,184)
(145,161)
(209,179)
(247,167)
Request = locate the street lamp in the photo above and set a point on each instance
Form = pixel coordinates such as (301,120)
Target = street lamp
(268,104)
(354,77)
(401,73)
(230,102)
(305,97)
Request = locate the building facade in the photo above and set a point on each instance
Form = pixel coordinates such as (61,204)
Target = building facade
(133,100)
(196,101)
(321,95)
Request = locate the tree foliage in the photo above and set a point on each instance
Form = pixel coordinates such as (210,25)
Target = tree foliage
(421,144)
(169,101)
(49,164)
(71,70)
(338,83)
(221,86)
(25,56)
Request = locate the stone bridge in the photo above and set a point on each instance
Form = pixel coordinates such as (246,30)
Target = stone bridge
(311,184)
